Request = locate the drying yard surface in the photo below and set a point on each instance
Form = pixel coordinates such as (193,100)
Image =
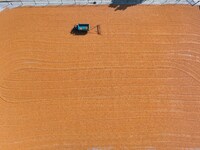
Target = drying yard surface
(135,86)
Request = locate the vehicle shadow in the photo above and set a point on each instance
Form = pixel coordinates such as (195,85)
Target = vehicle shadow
(124,4)
(76,32)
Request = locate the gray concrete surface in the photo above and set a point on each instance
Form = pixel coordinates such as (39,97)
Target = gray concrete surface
(20,3)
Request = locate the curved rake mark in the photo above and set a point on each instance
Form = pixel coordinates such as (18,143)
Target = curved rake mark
(186,72)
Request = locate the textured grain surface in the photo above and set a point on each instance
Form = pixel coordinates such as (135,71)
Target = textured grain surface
(135,86)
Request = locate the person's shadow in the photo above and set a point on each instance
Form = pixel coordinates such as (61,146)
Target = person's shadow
(124,4)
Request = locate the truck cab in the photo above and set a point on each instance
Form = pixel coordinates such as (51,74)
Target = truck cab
(82,27)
